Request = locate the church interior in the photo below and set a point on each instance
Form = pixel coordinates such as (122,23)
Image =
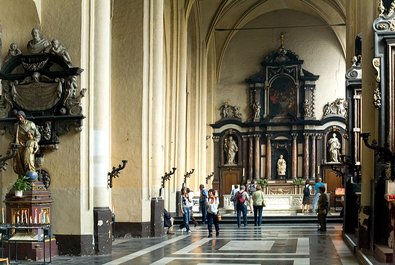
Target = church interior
(109,108)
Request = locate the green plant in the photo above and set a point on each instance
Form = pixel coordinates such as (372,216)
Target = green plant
(262,182)
(298,181)
(22,183)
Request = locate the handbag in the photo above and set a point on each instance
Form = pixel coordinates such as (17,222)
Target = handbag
(219,217)
(263,203)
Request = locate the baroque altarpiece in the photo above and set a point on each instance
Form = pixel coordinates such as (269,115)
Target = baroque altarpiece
(282,125)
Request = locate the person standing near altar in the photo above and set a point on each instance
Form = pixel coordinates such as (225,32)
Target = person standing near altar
(317,194)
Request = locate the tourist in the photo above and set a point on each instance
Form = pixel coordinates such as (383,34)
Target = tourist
(317,186)
(242,202)
(202,203)
(212,212)
(322,209)
(306,197)
(258,203)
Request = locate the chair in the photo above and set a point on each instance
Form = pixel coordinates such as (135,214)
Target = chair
(4,260)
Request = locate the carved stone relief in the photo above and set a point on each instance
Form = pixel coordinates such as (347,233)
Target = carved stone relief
(229,111)
(337,107)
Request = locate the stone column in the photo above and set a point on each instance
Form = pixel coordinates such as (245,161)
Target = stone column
(313,156)
(306,155)
(257,157)
(250,156)
(244,156)
(268,157)
(156,166)
(182,104)
(294,155)
(100,119)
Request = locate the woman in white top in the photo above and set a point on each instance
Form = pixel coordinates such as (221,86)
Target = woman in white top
(185,209)
(212,213)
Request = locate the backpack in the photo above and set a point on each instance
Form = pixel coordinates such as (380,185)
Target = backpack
(240,197)
(306,190)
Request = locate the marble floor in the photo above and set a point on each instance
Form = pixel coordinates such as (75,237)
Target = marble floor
(297,244)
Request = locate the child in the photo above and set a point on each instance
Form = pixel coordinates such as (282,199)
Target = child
(30,150)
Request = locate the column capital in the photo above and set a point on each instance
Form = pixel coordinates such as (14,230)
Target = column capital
(294,135)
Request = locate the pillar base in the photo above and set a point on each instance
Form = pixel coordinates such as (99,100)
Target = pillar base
(102,218)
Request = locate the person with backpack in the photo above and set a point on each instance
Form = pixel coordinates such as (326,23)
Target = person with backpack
(306,197)
(233,194)
(242,200)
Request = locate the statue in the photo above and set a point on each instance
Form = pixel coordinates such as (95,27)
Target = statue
(23,128)
(231,149)
(38,44)
(60,50)
(225,110)
(334,148)
(257,110)
(281,166)
(13,51)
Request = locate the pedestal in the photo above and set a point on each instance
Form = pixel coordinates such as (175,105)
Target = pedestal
(33,209)
(157,225)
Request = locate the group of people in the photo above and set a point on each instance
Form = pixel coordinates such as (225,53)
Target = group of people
(250,197)
(320,202)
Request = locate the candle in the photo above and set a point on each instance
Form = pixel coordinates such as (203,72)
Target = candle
(2,216)
(243,171)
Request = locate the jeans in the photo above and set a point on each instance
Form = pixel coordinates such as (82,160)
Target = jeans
(212,218)
(241,208)
(315,201)
(258,215)
(185,217)
(203,208)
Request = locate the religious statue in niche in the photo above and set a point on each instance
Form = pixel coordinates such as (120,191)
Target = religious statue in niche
(334,147)
(281,166)
(282,97)
(229,112)
(256,107)
(231,149)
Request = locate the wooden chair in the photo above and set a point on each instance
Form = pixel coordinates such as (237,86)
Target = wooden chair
(4,260)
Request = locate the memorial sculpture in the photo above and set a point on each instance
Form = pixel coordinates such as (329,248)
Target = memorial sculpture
(334,148)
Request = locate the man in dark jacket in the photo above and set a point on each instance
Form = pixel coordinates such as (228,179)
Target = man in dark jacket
(322,209)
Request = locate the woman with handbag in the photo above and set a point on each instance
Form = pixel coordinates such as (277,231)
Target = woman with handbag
(258,204)
(212,213)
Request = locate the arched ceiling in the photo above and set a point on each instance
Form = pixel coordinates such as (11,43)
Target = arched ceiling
(222,19)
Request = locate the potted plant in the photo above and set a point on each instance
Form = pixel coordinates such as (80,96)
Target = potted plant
(21,184)
(263,183)
(298,182)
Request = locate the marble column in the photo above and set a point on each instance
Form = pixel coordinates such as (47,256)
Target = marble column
(306,156)
(313,156)
(294,155)
(101,149)
(250,157)
(257,157)
(268,157)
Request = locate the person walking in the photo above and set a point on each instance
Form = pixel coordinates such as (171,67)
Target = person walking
(212,213)
(242,202)
(233,194)
(258,202)
(306,197)
(322,209)
(317,186)
(202,203)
